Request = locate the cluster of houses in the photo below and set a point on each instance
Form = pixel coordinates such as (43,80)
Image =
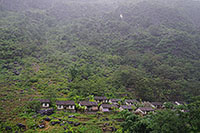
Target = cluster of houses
(104,104)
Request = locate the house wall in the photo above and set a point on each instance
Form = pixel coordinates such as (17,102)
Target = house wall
(70,107)
(140,111)
(177,103)
(45,105)
(153,106)
(120,109)
(127,103)
(60,107)
(94,108)
(103,101)
(101,108)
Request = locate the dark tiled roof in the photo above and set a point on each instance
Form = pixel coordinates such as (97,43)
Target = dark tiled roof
(88,103)
(44,100)
(156,103)
(100,98)
(65,103)
(115,100)
(131,101)
(126,107)
(146,108)
(108,105)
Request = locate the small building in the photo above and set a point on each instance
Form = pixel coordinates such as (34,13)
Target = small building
(173,103)
(89,106)
(107,107)
(114,101)
(157,105)
(144,110)
(68,105)
(131,102)
(179,103)
(45,103)
(126,107)
(101,99)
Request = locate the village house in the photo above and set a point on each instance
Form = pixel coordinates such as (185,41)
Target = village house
(115,101)
(45,103)
(126,107)
(175,103)
(147,104)
(157,105)
(101,99)
(144,110)
(131,102)
(89,106)
(179,103)
(68,105)
(107,107)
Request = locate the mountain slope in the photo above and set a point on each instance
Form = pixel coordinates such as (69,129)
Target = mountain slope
(85,49)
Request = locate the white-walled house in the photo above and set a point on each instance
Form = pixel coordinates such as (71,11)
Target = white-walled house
(126,107)
(45,103)
(107,107)
(157,105)
(67,105)
(99,99)
(180,102)
(114,101)
(131,102)
(89,106)
(144,110)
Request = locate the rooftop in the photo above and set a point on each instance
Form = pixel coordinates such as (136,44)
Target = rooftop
(126,107)
(115,100)
(88,103)
(157,103)
(44,100)
(65,103)
(131,101)
(100,98)
(108,105)
(146,108)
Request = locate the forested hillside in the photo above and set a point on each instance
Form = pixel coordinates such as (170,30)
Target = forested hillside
(146,50)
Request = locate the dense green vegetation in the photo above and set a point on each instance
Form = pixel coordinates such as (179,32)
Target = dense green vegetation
(165,121)
(70,48)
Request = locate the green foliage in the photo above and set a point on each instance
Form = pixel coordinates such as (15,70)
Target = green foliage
(33,106)
(90,55)
(168,121)
(169,105)
(80,108)
(91,98)
(180,120)
(89,129)
(193,114)
(31,124)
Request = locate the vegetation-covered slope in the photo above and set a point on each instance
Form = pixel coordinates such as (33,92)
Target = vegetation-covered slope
(70,48)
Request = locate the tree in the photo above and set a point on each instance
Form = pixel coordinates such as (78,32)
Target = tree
(33,106)
(194,115)
(91,98)
(134,124)
(166,121)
